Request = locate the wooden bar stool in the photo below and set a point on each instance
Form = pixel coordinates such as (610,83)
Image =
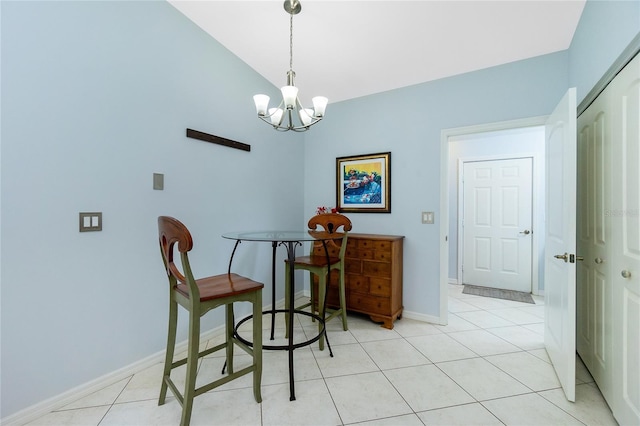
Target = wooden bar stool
(318,264)
(198,296)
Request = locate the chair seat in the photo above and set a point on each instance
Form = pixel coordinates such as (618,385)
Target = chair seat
(315,261)
(219,286)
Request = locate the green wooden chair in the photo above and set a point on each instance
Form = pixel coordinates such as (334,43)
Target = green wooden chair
(319,265)
(198,296)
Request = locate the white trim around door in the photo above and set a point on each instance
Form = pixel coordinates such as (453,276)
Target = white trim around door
(445,136)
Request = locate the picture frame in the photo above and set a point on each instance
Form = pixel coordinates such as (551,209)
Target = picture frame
(363,183)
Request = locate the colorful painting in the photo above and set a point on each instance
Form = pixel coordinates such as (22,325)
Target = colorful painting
(363,183)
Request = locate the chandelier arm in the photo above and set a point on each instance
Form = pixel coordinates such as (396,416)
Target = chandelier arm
(293,7)
(304,128)
(291,127)
(313,117)
(267,115)
(264,118)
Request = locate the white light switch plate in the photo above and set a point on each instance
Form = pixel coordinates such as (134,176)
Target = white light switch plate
(90,221)
(428,217)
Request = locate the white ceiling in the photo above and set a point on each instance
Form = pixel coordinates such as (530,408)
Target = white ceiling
(352,48)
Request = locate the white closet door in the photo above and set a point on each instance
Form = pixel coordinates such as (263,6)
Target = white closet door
(593,283)
(625,262)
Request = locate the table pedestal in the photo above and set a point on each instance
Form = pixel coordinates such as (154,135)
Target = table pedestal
(290,346)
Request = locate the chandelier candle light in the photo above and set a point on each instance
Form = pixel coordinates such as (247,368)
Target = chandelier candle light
(298,118)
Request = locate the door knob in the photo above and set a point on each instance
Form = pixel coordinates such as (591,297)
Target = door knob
(525,232)
(564,257)
(625,274)
(598,260)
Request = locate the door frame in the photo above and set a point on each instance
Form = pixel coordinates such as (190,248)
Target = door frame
(445,135)
(534,205)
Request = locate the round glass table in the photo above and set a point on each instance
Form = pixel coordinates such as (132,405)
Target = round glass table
(290,240)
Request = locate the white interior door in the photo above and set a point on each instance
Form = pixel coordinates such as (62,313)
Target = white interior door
(593,284)
(560,216)
(625,262)
(497,198)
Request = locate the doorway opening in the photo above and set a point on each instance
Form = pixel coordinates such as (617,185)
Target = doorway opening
(488,142)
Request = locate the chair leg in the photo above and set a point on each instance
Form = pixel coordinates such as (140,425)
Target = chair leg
(230,324)
(343,301)
(192,366)
(257,346)
(322,294)
(287,285)
(313,295)
(171,344)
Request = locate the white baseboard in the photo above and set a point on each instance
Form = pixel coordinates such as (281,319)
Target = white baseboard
(453,281)
(420,317)
(56,402)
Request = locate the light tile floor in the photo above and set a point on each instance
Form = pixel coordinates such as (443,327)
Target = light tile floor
(488,366)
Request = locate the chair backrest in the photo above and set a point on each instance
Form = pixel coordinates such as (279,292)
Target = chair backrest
(170,232)
(331,223)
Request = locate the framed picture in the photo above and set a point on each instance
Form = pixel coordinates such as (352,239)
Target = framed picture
(363,183)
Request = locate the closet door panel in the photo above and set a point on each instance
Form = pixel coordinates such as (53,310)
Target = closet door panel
(625,272)
(594,292)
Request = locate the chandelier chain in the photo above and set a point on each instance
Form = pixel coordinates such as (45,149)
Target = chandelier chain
(291,41)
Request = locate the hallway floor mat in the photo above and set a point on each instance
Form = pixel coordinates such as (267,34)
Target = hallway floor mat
(498,293)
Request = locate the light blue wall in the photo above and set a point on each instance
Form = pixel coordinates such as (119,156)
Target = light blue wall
(408,122)
(96,97)
(606,28)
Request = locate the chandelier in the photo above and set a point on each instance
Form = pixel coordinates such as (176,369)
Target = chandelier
(290,114)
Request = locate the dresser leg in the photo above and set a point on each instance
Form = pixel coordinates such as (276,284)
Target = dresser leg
(387,322)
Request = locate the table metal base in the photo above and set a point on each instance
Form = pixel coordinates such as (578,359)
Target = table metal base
(277,239)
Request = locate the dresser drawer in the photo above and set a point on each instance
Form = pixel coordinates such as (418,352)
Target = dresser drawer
(380,287)
(351,252)
(370,304)
(366,244)
(376,269)
(355,252)
(382,256)
(381,245)
(353,266)
(357,283)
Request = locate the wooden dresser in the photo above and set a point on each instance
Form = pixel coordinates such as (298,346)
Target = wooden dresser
(373,277)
